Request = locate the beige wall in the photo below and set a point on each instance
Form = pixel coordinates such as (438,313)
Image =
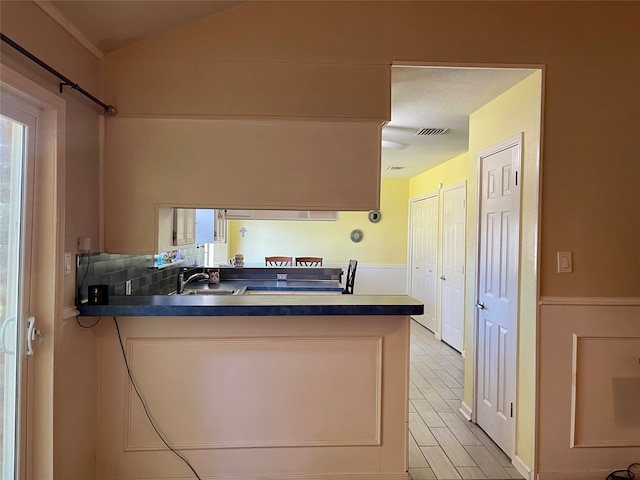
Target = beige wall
(584,46)
(590,137)
(73,361)
(200,163)
(31,28)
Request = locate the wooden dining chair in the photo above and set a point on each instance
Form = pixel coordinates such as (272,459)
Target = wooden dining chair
(351,277)
(277,261)
(308,261)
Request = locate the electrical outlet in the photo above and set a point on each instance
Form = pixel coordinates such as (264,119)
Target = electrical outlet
(281,276)
(127,287)
(84,244)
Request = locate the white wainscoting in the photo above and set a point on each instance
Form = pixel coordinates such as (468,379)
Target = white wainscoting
(256,398)
(589,387)
(372,279)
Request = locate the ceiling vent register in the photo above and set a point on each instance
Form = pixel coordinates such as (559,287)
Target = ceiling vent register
(430,132)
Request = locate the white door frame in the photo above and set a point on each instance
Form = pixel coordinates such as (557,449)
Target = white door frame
(425,196)
(47,296)
(442,191)
(515,140)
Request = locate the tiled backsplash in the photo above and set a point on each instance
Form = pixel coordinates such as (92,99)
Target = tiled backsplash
(114,270)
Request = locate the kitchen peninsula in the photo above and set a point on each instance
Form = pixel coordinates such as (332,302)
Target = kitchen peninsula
(255,386)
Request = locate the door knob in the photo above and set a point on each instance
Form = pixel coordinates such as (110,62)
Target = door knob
(480,305)
(442,278)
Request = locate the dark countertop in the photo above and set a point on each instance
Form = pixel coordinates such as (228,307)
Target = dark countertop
(254,305)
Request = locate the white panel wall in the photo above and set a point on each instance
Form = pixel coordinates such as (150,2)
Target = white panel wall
(256,398)
(381,279)
(372,279)
(589,387)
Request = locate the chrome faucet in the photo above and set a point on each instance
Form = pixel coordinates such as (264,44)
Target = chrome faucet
(182,282)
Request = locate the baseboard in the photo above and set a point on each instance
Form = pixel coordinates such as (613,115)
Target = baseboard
(522,469)
(437,336)
(465,410)
(592,475)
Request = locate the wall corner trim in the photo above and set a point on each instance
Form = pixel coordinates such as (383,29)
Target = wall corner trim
(58,17)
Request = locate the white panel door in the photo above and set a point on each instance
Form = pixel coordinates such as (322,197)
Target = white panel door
(424,257)
(453,265)
(497,292)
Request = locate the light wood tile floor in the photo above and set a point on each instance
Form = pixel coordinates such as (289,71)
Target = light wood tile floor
(443,445)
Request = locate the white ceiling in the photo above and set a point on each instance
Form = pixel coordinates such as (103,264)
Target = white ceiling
(437,97)
(421,97)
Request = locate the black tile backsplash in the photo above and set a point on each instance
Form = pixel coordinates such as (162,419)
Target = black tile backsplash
(114,270)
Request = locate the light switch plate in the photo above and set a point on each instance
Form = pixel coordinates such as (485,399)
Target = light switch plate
(67,263)
(565,262)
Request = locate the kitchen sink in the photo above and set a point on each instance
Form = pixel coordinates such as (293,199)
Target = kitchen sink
(234,291)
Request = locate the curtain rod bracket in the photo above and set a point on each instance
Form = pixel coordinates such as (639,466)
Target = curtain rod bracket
(109,110)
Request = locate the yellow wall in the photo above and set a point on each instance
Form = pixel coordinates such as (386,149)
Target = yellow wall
(517,110)
(451,172)
(384,242)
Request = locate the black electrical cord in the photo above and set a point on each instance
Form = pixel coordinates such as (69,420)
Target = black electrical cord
(88,326)
(144,406)
(626,474)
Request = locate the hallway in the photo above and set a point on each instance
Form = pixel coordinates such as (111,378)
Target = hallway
(443,445)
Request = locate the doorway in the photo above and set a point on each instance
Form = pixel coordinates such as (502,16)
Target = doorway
(497,290)
(517,109)
(40,221)
(424,256)
(452,276)
(18,121)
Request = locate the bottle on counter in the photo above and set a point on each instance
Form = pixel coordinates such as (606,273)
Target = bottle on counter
(214,276)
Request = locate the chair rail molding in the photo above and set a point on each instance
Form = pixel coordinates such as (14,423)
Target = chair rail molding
(591,301)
